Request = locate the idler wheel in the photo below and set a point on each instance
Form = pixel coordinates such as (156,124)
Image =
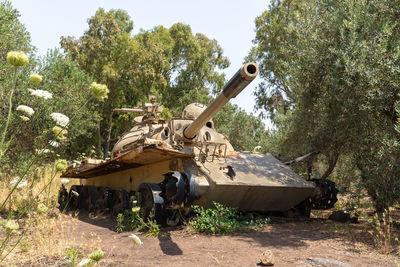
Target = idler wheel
(151,201)
(327,196)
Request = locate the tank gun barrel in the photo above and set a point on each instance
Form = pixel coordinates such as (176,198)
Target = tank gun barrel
(129,110)
(236,84)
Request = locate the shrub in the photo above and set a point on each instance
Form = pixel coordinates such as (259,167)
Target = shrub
(222,220)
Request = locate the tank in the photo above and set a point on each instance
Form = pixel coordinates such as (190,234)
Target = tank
(175,163)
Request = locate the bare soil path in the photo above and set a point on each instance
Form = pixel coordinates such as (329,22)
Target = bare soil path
(293,243)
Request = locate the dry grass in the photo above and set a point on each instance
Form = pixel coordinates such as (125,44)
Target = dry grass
(49,238)
(40,236)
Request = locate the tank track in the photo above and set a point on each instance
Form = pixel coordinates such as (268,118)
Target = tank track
(94,199)
(326,194)
(168,200)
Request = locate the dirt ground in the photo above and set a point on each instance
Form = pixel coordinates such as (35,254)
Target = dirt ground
(294,242)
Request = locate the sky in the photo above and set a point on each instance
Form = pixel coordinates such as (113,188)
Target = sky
(231,23)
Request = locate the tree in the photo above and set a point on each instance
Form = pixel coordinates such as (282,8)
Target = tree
(244,131)
(171,63)
(105,52)
(13,37)
(336,66)
(70,88)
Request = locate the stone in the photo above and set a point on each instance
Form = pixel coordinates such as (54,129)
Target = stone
(267,258)
(327,262)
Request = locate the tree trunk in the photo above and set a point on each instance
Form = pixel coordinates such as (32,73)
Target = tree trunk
(332,163)
(98,138)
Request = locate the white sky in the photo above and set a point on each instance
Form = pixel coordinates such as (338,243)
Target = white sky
(231,23)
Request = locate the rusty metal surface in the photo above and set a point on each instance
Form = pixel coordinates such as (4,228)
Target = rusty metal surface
(133,159)
(261,183)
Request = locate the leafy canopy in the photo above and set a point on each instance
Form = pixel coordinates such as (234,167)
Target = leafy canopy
(332,84)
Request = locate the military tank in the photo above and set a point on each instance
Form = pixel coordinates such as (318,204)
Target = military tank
(182,161)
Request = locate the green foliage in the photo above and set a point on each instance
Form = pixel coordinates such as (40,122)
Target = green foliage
(333,85)
(244,131)
(120,220)
(176,65)
(223,220)
(96,256)
(73,255)
(132,219)
(153,229)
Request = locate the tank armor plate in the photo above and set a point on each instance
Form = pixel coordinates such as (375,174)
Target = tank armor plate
(134,158)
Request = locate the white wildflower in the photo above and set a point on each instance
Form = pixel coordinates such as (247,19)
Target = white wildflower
(60,119)
(11,225)
(136,239)
(84,262)
(41,93)
(257,148)
(21,184)
(135,209)
(54,143)
(42,151)
(24,118)
(25,109)
(75,193)
(65,181)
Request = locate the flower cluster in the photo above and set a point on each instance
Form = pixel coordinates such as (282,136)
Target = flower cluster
(41,93)
(59,132)
(54,143)
(61,165)
(17,58)
(41,208)
(25,109)
(84,262)
(42,151)
(100,91)
(97,255)
(24,118)
(136,239)
(60,119)
(11,225)
(35,78)
(65,181)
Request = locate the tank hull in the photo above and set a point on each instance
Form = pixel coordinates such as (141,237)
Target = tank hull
(261,182)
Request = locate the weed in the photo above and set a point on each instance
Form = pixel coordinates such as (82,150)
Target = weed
(120,223)
(223,220)
(334,227)
(152,226)
(350,232)
(133,219)
(73,254)
(25,245)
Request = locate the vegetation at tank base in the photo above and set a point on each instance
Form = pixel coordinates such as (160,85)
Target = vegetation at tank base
(133,219)
(222,220)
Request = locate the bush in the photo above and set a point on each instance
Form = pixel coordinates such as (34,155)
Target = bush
(223,220)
